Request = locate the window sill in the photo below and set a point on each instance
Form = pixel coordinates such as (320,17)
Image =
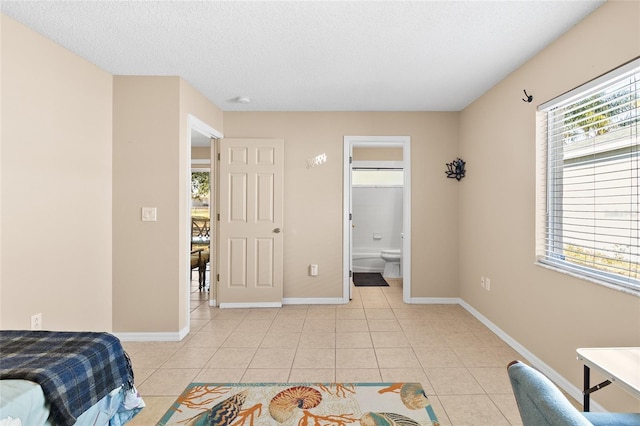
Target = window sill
(582,277)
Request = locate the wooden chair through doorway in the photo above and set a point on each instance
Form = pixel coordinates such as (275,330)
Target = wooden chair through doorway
(200,240)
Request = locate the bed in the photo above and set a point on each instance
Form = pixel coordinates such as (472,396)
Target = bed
(65,378)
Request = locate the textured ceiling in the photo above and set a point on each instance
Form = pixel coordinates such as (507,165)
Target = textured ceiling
(311,56)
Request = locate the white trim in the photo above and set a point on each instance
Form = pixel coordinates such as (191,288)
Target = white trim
(584,277)
(200,126)
(153,337)
(435,300)
(313,301)
(193,123)
(251,305)
(590,85)
(536,362)
(403,142)
(346,222)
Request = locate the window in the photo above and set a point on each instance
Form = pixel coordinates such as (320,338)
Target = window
(200,193)
(589,176)
(377,177)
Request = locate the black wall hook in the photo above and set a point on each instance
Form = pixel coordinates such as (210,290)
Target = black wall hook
(529,97)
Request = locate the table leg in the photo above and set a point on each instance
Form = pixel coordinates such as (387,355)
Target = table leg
(585,398)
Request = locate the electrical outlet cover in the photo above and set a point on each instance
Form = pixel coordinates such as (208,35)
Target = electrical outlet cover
(36,322)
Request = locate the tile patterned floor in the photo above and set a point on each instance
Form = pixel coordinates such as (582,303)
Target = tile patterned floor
(376,337)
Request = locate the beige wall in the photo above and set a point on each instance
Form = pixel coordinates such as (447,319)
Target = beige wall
(551,314)
(200,153)
(76,137)
(151,143)
(313,197)
(56,185)
(194,104)
(146,164)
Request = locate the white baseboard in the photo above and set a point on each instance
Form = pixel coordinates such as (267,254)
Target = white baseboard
(251,305)
(153,336)
(536,362)
(313,301)
(435,300)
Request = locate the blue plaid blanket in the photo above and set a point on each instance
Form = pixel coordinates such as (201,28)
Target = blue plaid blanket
(74,369)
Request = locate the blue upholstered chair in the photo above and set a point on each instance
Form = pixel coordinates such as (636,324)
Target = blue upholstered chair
(542,404)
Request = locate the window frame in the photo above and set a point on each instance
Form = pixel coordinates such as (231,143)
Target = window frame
(548,222)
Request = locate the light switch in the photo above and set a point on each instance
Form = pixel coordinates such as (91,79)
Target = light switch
(313,270)
(149,214)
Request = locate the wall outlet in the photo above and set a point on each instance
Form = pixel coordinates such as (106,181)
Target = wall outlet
(149,214)
(36,321)
(487,284)
(482,283)
(313,270)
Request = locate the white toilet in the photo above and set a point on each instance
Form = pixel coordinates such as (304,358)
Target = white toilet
(392,267)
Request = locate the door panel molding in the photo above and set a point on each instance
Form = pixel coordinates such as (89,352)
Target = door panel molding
(251,216)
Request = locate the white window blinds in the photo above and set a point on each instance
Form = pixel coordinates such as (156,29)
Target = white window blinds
(590,154)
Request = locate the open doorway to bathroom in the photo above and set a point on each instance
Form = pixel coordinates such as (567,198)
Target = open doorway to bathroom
(377,209)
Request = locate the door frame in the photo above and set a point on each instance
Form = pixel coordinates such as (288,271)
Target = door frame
(203,128)
(351,142)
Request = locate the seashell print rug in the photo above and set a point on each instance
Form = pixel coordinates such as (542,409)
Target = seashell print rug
(292,404)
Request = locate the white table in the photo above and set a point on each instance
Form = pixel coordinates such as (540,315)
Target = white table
(619,365)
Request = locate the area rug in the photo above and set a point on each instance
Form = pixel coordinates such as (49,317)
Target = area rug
(291,404)
(369,279)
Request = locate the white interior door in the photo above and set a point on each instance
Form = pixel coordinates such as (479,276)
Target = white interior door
(251,223)
(351,224)
(213,231)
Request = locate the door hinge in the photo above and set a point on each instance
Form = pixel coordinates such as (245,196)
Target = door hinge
(350,216)
(350,274)
(218,216)
(218,156)
(350,160)
(218,277)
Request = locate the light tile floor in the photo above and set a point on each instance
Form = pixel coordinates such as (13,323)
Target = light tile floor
(376,337)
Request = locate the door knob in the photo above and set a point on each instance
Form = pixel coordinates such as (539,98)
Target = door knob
(276,231)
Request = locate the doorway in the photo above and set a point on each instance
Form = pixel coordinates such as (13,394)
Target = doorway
(404,162)
(376,207)
(201,206)
(201,154)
